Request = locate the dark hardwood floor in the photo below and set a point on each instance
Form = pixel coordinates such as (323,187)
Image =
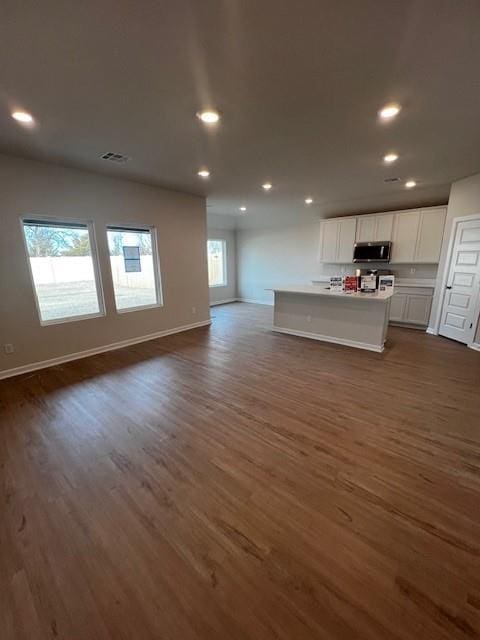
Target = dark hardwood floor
(231,483)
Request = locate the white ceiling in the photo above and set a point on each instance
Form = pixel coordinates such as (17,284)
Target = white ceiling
(299,84)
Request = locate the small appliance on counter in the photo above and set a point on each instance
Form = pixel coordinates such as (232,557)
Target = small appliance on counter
(386,282)
(360,273)
(350,284)
(336,283)
(368,283)
(364,280)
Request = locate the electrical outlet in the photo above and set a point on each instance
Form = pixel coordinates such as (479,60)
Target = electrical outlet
(412,270)
(8,348)
(309,318)
(194,310)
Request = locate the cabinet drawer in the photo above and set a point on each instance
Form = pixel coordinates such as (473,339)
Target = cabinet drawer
(414,291)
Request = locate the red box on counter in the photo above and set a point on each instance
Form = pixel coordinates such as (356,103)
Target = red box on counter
(350,284)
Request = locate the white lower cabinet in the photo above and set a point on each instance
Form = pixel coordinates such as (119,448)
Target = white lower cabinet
(411,305)
(418,309)
(397,307)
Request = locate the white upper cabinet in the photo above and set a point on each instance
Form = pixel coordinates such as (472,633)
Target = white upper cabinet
(329,240)
(346,239)
(383,227)
(365,228)
(405,232)
(337,237)
(430,235)
(417,235)
(375,228)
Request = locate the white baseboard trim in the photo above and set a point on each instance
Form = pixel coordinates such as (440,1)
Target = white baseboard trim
(475,346)
(342,341)
(28,368)
(431,331)
(252,301)
(227,301)
(407,325)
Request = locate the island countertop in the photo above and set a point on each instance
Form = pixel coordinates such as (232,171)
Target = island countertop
(319,290)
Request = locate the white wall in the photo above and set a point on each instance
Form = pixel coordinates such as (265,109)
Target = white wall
(464,201)
(228,292)
(29,187)
(275,256)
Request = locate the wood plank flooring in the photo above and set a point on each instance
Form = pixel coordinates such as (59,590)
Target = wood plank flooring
(231,483)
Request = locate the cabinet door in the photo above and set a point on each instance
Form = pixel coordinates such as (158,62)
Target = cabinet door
(329,240)
(405,232)
(383,227)
(398,303)
(346,239)
(365,228)
(418,309)
(430,235)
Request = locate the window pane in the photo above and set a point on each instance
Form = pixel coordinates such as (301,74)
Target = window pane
(62,268)
(217,276)
(133,269)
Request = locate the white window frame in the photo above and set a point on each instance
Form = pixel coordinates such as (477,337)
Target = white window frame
(95,261)
(157,272)
(224,252)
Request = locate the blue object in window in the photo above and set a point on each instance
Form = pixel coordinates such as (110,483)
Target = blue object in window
(131,258)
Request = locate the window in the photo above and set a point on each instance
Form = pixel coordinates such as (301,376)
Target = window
(135,271)
(217,263)
(64,270)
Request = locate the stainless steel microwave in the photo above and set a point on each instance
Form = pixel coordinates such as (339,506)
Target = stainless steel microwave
(372,251)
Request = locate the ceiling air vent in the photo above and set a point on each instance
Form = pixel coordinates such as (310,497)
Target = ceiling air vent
(392,180)
(115,157)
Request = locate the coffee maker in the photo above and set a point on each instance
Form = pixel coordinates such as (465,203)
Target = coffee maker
(370,272)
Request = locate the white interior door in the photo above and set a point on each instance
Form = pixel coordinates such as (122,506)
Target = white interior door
(462,294)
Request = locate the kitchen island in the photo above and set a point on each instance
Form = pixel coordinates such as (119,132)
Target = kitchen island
(314,311)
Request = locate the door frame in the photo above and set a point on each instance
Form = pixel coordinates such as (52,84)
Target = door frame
(446,271)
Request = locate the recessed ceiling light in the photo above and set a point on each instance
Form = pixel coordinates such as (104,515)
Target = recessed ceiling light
(243,208)
(267,186)
(204,173)
(389,111)
(308,200)
(209,117)
(23,117)
(390,157)
(410,184)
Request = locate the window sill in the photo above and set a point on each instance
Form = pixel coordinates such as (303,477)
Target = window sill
(157,305)
(90,316)
(216,286)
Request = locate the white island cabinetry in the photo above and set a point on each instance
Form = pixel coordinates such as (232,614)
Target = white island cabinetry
(352,319)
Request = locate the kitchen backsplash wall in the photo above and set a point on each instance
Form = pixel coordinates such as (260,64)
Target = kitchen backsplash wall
(403,271)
